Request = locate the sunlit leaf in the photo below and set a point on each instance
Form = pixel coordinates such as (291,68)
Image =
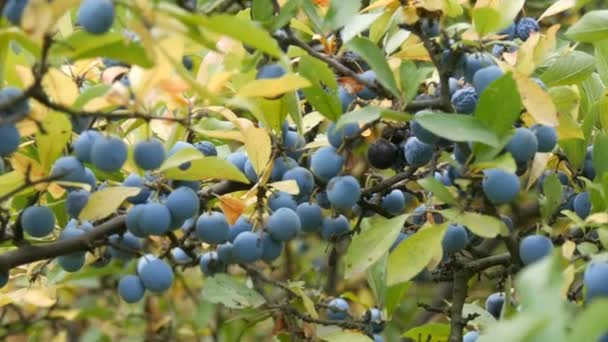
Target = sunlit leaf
(105,202)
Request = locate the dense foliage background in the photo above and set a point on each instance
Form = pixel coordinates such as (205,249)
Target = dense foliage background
(337,170)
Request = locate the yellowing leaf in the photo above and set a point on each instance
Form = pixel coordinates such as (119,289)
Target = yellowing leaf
(288,186)
(557,7)
(538,167)
(377,4)
(220,134)
(274,87)
(37,18)
(180,157)
(60,87)
(52,140)
(10,181)
(481,225)
(232,208)
(536,100)
(568,249)
(38,297)
(568,128)
(525,54)
(418,250)
(206,168)
(414,50)
(258,146)
(105,202)
(546,44)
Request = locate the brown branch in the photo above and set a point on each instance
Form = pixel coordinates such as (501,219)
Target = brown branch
(41,97)
(385,184)
(31,253)
(459,294)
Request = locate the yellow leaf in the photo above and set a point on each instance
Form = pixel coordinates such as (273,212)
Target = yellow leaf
(220,134)
(568,275)
(525,54)
(232,208)
(271,88)
(546,45)
(38,297)
(597,218)
(377,4)
(219,80)
(10,181)
(207,168)
(538,167)
(568,128)
(25,74)
(180,157)
(30,168)
(52,140)
(258,146)
(557,7)
(65,25)
(104,203)
(309,305)
(568,249)
(536,100)
(60,87)
(413,49)
(37,18)
(288,186)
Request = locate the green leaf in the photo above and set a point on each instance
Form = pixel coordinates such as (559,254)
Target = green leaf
(271,88)
(486,20)
(377,61)
(430,332)
(17,35)
(311,12)
(574,150)
(201,167)
(414,254)
(358,24)
(438,189)
(588,326)
(569,69)
(262,10)
(504,161)
(411,77)
(394,296)
(180,157)
(340,13)
(82,45)
(376,278)
(600,155)
(89,94)
(499,105)
(105,202)
(242,30)
(592,27)
(552,189)
(361,115)
(288,11)
(601,56)
(52,140)
(226,290)
(321,78)
(376,237)
(481,225)
(457,127)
